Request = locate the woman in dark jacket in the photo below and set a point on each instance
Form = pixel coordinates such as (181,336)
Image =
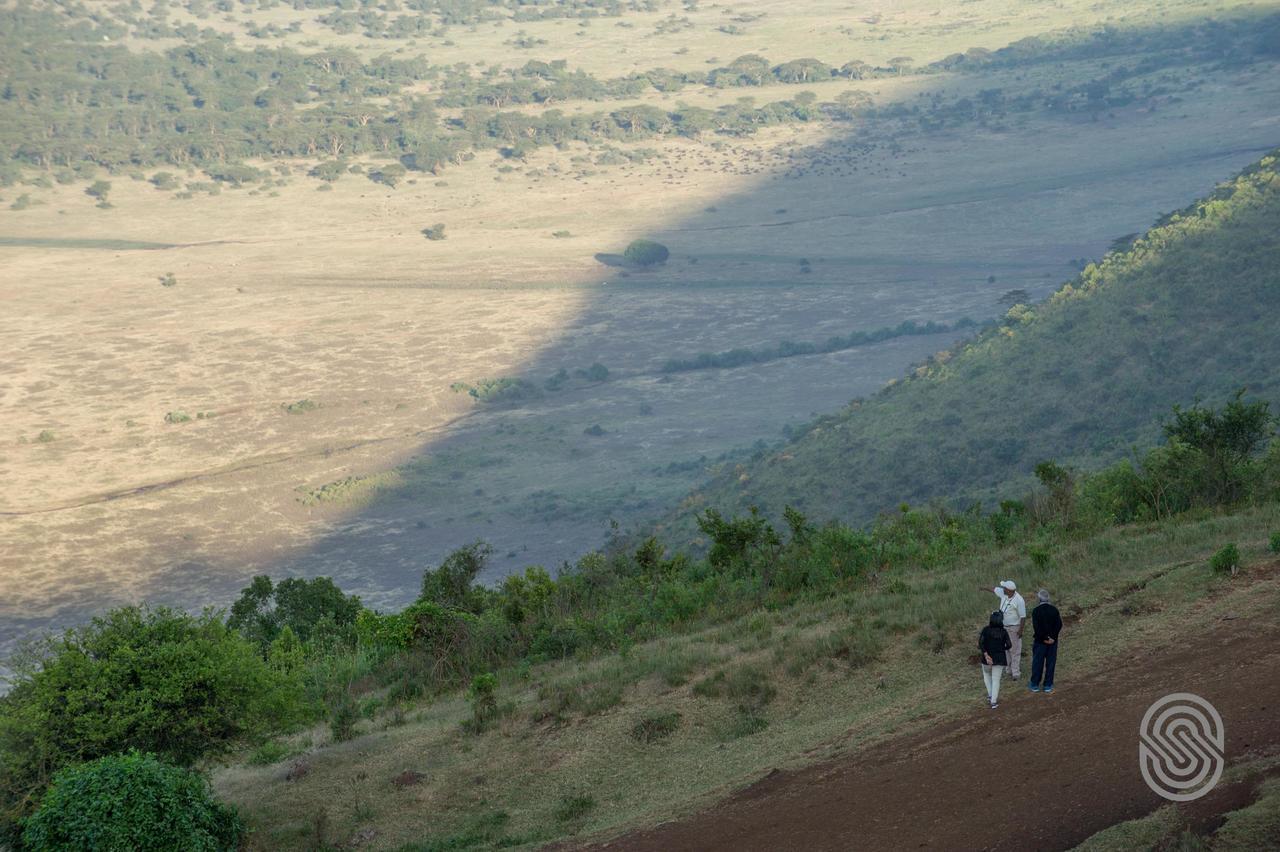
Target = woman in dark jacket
(993,642)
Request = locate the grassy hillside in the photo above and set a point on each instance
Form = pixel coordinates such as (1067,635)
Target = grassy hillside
(662,727)
(1185,312)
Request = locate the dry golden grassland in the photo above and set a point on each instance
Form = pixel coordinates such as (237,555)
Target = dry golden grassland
(335,297)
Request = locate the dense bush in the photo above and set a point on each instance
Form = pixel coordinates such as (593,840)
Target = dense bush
(130,803)
(1226,560)
(1211,457)
(179,686)
(646,253)
(309,609)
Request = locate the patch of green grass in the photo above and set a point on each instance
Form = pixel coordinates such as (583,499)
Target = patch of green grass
(560,701)
(486,831)
(270,752)
(744,721)
(856,646)
(654,726)
(1254,827)
(573,808)
(302,406)
(350,489)
(1147,832)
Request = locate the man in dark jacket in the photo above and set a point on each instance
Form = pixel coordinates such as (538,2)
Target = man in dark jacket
(1047,624)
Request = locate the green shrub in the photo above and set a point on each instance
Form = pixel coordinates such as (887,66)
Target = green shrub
(46,436)
(646,253)
(746,683)
(562,700)
(483,696)
(574,807)
(99,190)
(655,726)
(745,721)
(1275,542)
(1226,560)
(302,406)
(130,802)
(272,751)
(235,174)
(344,713)
(498,390)
(168,280)
(435,232)
(1039,557)
(182,687)
(164,181)
(177,417)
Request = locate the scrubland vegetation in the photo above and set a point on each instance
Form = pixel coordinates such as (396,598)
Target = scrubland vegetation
(1161,322)
(1114,442)
(641,639)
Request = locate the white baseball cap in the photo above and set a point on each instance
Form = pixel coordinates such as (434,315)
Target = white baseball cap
(1009,584)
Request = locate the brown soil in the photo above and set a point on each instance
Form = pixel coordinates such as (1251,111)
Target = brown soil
(1041,772)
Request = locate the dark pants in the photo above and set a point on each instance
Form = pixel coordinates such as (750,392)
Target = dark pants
(1044,658)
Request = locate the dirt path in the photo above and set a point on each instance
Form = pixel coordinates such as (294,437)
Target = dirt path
(1041,772)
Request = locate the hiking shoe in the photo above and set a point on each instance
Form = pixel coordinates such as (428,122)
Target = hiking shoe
(1035,688)
(1048,689)
(994,705)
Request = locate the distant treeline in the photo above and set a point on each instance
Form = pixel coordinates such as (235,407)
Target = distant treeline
(787,348)
(73,100)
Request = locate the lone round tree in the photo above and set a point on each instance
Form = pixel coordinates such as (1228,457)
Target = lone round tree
(646,253)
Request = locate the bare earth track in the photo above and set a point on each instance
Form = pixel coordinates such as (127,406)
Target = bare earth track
(1043,773)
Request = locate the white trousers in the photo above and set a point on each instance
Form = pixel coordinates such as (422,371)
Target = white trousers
(991,677)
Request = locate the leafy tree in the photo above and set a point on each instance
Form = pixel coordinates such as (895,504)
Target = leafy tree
(127,802)
(735,540)
(164,180)
(264,610)
(1227,439)
(802,71)
(236,174)
(182,687)
(329,171)
(390,174)
(98,189)
(646,253)
(451,584)
(855,69)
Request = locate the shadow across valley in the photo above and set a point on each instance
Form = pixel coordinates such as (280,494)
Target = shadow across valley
(921,211)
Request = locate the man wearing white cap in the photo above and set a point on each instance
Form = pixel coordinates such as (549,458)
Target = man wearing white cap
(1014,610)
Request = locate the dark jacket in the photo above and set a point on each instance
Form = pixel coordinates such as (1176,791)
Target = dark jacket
(994,640)
(1046,622)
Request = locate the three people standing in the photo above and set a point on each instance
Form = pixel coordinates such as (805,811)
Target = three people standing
(1000,642)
